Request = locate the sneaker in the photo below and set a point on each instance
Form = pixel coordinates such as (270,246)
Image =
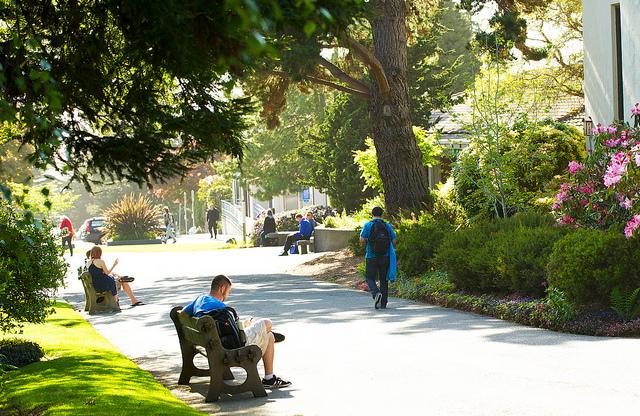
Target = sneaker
(277,336)
(284,253)
(275,382)
(377,300)
(126,279)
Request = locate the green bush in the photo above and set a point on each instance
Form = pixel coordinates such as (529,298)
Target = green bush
(503,255)
(588,264)
(16,352)
(435,282)
(355,245)
(133,218)
(532,154)
(31,269)
(418,242)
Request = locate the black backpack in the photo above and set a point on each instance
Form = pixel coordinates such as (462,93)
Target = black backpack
(380,238)
(226,320)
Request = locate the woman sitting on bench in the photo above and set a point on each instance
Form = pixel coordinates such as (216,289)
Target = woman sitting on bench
(104,281)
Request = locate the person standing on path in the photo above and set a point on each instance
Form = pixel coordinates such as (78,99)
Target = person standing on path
(378,238)
(213,215)
(170,231)
(66,233)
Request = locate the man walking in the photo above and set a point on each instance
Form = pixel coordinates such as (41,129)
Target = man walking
(213,215)
(304,233)
(258,332)
(378,238)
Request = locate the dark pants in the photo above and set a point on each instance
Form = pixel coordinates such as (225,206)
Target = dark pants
(376,269)
(65,241)
(213,228)
(292,238)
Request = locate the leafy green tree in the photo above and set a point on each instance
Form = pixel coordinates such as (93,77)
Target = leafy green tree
(31,269)
(327,152)
(41,201)
(136,90)
(367,159)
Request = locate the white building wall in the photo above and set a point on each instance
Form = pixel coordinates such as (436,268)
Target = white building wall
(600,54)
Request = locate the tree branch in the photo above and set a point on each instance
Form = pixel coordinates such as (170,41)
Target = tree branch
(343,76)
(316,80)
(372,62)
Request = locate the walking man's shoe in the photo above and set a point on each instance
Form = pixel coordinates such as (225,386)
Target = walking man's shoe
(378,301)
(275,382)
(284,253)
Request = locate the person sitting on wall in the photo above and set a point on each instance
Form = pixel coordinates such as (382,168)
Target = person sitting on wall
(304,233)
(269,226)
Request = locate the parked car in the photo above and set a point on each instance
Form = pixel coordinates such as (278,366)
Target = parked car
(92,230)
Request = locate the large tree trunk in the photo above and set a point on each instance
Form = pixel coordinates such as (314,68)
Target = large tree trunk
(403,175)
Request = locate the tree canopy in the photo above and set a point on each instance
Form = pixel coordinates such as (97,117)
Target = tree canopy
(140,90)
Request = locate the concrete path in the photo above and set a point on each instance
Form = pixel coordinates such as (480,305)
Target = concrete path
(345,358)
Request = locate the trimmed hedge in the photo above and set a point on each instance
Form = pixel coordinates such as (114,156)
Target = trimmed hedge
(16,352)
(588,264)
(501,256)
(418,242)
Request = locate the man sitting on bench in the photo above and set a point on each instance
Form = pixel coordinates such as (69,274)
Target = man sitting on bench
(303,234)
(258,332)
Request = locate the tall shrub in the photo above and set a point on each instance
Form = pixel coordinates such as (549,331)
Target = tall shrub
(133,218)
(31,269)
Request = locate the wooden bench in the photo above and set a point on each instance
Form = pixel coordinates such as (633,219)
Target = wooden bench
(200,336)
(108,302)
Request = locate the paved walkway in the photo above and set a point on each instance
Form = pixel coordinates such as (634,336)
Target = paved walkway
(347,359)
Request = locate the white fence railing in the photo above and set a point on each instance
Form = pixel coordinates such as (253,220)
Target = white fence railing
(231,218)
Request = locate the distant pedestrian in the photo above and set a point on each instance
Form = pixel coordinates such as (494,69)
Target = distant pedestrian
(66,233)
(170,230)
(379,239)
(213,215)
(268,227)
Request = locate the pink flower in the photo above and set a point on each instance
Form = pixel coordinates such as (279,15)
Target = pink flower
(617,167)
(575,167)
(587,190)
(611,130)
(625,202)
(635,110)
(632,225)
(611,143)
(635,151)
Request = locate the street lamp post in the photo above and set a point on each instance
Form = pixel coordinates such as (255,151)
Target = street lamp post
(587,123)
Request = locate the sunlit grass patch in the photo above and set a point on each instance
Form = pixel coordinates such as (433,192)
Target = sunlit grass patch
(82,374)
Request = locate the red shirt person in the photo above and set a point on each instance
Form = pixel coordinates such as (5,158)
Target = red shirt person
(66,232)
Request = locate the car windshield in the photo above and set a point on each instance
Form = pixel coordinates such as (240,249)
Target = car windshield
(97,223)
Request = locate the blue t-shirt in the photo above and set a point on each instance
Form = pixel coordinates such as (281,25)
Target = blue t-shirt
(202,305)
(366,233)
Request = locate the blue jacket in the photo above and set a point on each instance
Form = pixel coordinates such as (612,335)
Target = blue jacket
(305,229)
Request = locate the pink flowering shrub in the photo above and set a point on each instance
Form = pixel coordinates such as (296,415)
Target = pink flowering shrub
(604,191)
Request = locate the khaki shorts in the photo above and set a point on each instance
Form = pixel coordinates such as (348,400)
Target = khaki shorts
(257,334)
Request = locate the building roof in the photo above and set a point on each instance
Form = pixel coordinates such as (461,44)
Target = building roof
(567,109)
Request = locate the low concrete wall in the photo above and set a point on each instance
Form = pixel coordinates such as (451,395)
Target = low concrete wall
(331,239)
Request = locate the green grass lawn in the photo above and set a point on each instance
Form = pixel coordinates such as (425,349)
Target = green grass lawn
(164,248)
(83,374)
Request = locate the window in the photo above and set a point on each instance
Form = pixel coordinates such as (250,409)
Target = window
(618,81)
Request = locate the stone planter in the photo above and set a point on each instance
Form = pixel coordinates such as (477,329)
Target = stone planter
(332,239)
(133,242)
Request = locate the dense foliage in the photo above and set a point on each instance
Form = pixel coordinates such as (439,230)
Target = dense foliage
(133,217)
(135,90)
(588,264)
(527,158)
(501,256)
(31,269)
(419,241)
